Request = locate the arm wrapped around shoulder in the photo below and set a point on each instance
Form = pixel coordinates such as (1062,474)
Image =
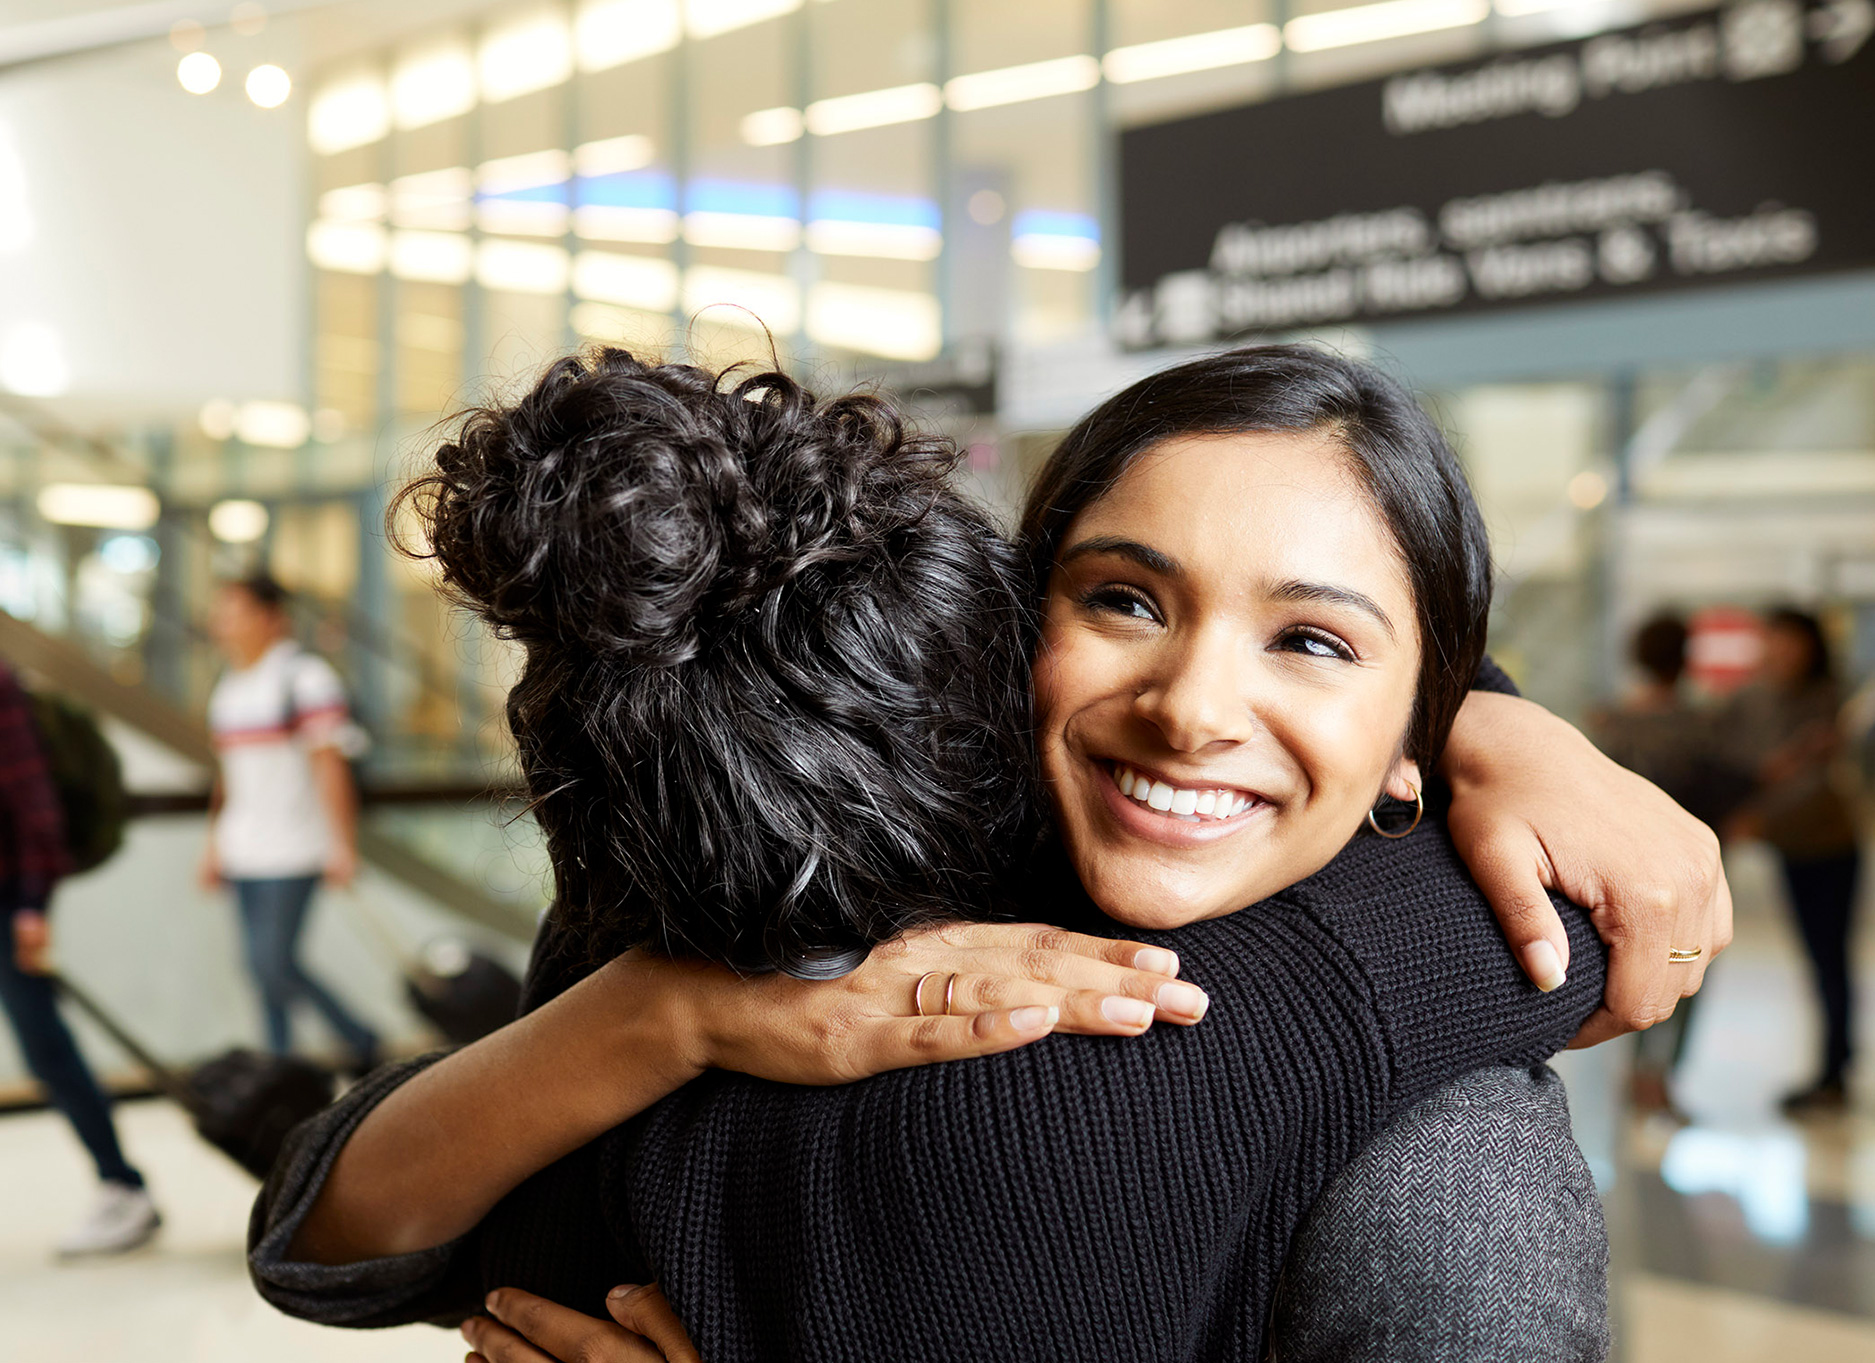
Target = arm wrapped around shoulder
(1468,1228)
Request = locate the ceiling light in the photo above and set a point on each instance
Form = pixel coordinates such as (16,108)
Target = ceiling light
(354,203)
(433,257)
(1196,52)
(268,86)
(873,109)
(613,222)
(523,57)
(707,18)
(771,127)
(645,282)
(1013,84)
(742,231)
(237,521)
(347,247)
(431,85)
(217,419)
(32,361)
(614,155)
(198,73)
(276,425)
(533,170)
(525,217)
(521,266)
(129,554)
(896,323)
(436,199)
(1042,240)
(108,506)
(610,33)
(881,240)
(743,298)
(348,113)
(1372,23)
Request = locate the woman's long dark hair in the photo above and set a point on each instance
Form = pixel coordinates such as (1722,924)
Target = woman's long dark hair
(1397,451)
(776,695)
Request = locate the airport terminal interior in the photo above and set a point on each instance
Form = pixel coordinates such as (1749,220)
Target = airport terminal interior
(252,257)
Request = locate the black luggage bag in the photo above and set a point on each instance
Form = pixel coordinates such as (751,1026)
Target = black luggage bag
(242,1102)
(461,992)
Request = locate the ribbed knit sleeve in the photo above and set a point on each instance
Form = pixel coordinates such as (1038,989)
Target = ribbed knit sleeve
(1491,677)
(440,1283)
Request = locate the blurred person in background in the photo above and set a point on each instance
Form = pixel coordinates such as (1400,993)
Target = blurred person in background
(33,858)
(1786,726)
(1658,733)
(284,814)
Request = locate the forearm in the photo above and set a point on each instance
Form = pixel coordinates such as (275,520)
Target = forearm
(436,1155)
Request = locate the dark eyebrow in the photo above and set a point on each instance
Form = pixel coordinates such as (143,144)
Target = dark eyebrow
(1143,554)
(1340,596)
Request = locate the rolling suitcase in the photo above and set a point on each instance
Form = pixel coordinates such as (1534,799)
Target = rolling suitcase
(242,1102)
(464,993)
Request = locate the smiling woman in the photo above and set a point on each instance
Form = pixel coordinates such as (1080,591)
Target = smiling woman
(1264,608)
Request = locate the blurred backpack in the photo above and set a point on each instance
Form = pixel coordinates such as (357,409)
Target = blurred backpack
(84,770)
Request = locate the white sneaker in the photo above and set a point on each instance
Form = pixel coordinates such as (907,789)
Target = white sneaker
(121,1219)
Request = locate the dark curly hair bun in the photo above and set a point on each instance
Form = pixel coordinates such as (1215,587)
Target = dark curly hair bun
(775,704)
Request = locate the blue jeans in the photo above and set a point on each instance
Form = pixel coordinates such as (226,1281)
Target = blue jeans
(31,1002)
(273,912)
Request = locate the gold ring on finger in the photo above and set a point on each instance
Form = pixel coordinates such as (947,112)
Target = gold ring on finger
(1681,955)
(950,992)
(917,991)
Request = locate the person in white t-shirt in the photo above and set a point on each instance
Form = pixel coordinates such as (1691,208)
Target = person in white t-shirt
(285,813)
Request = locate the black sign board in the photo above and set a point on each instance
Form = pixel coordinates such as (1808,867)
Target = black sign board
(1720,146)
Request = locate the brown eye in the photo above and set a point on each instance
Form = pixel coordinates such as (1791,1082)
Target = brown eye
(1315,644)
(1121,601)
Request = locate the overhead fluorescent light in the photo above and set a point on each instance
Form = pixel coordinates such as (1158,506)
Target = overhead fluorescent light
(431,85)
(108,506)
(610,33)
(743,298)
(741,231)
(521,266)
(432,257)
(354,203)
(707,18)
(895,323)
(277,425)
(237,521)
(1045,240)
(437,199)
(614,222)
(771,127)
(1013,84)
(614,155)
(881,240)
(32,361)
(644,282)
(1196,52)
(1373,23)
(506,174)
(347,247)
(348,113)
(523,217)
(873,109)
(518,58)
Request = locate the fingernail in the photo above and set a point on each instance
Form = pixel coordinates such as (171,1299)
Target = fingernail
(1544,965)
(1187,1000)
(489,1303)
(1156,961)
(1126,1012)
(1034,1018)
(623,1290)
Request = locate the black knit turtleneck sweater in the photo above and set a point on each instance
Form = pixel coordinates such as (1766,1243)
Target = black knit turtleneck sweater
(1078,1199)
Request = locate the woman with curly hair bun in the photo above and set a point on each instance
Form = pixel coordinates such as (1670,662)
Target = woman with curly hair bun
(780,727)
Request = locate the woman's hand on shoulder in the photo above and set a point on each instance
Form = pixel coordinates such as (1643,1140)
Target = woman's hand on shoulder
(523,1328)
(1535,807)
(938,993)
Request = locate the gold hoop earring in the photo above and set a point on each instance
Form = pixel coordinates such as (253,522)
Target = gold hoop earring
(1419,812)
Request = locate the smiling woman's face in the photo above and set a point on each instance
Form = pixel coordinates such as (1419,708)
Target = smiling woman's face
(1228,663)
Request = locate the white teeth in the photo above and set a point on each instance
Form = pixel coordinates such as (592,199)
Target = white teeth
(1178,801)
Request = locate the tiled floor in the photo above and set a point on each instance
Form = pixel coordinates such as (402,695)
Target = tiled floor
(1741,1239)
